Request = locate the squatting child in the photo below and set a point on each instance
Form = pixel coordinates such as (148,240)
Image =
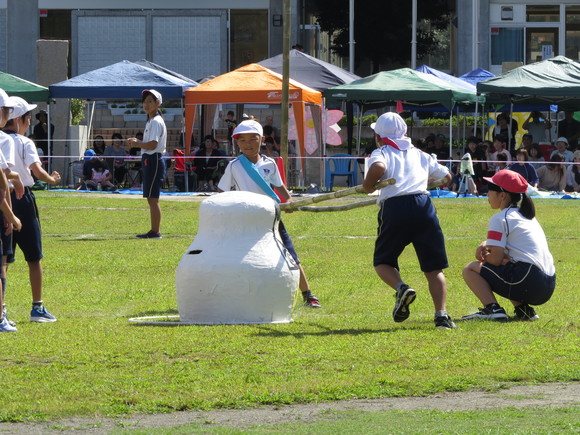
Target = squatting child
(256,173)
(407,216)
(514,262)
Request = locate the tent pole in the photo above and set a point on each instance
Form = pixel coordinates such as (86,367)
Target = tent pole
(49,141)
(450,135)
(285,84)
(185,171)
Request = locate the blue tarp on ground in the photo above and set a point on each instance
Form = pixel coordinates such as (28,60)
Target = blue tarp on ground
(310,71)
(122,80)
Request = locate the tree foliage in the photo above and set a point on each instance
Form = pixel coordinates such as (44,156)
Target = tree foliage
(382,28)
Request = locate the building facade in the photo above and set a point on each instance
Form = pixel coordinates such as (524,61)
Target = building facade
(499,34)
(197,38)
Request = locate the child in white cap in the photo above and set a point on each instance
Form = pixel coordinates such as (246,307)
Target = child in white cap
(514,262)
(407,216)
(6,108)
(257,173)
(29,239)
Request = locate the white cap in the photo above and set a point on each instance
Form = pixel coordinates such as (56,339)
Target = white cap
(20,107)
(5,100)
(391,127)
(248,126)
(562,139)
(155,93)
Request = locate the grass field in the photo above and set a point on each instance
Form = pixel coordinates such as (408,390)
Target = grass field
(97,275)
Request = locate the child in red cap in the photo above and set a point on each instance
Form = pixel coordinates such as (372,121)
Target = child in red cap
(514,261)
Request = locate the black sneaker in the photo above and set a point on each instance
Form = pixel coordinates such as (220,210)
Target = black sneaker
(490,312)
(526,313)
(405,297)
(310,300)
(444,322)
(149,235)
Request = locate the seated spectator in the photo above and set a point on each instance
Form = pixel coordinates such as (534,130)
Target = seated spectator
(181,166)
(562,148)
(499,143)
(206,164)
(553,175)
(535,156)
(116,158)
(527,141)
(440,149)
(269,132)
(268,148)
(501,162)
(100,176)
(573,174)
(523,168)
(90,161)
(99,145)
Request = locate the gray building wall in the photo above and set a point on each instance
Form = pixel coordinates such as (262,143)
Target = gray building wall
(22,30)
(465,29)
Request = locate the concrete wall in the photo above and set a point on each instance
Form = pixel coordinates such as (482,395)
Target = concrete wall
(465,28)
(22,30)
(52,67)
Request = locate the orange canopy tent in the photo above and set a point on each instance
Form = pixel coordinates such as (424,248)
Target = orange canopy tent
(253,84)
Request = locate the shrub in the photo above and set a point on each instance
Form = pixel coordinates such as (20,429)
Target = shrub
(77,111)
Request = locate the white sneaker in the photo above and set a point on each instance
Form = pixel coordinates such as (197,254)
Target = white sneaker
(6,327)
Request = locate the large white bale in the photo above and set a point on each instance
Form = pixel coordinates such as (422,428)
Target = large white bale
(237,269)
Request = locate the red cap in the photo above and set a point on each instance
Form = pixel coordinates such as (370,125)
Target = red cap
(509,181)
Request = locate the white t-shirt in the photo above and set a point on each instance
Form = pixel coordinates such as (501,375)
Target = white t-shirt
(7,148)
(25,154)
(412,170)
(155,130)
(523,239)
(236,178)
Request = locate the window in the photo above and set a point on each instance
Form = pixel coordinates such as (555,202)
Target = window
(249,37)
(573,32)
(543,14)
(507,45)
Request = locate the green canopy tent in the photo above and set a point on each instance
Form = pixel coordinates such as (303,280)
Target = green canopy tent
(544,83)
(551,81)
(17,87)
(413,87)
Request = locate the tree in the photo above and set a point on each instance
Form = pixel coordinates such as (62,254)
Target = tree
(382,28)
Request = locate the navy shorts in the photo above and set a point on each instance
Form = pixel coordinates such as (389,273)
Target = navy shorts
(153,167)
(519,281)
(6,239)
(287,241)
(410,219)
(29,238)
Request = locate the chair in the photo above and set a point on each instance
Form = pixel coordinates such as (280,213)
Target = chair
(341,165)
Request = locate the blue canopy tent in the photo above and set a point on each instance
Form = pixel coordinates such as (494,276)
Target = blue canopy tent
(447,78)
(118,81)
(121,80)
(476,76)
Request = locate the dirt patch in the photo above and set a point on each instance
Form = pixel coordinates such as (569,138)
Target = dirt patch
(542,395)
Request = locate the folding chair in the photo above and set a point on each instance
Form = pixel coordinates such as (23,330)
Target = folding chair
(341,165)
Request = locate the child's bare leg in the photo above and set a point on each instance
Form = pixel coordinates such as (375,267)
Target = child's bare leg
(155,214)
(35,276)
(437,288)
(303,285)
(479,286)
(388,274)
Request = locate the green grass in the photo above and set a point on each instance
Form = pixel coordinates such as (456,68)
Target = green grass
(97,275)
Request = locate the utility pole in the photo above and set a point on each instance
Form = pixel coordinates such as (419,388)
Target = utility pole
(414,36)
(285,84)
(351,36)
